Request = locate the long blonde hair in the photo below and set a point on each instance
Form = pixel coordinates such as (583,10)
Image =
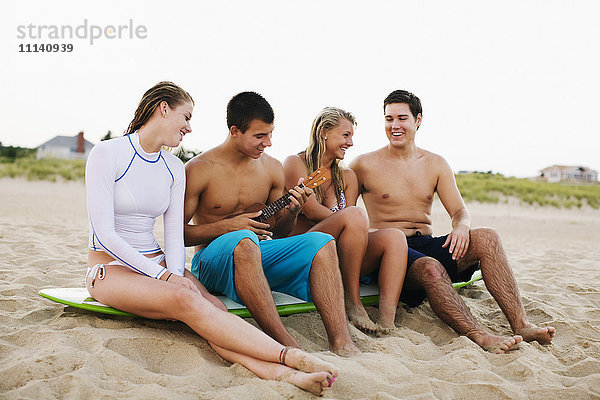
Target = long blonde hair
(327,119)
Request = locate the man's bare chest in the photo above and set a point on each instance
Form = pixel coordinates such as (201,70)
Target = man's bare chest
(395,185)
(229,192)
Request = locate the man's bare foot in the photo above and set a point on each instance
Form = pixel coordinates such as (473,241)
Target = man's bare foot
(359,318)
(346,350)
(305,362)
(496,344)
(541,335)
(316,383)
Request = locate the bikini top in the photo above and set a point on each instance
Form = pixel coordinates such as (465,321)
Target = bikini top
(341,204)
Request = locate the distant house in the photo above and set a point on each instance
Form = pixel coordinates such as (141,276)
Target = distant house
(557,173)
(65,147)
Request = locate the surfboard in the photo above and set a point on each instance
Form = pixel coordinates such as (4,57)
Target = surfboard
(474,278)
(286,304)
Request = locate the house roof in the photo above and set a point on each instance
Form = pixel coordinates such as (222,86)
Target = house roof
(66,141)
(566,168)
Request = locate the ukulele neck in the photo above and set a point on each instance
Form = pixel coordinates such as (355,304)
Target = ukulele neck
(276,206)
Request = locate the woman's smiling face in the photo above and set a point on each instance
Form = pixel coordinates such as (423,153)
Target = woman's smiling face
(339,139)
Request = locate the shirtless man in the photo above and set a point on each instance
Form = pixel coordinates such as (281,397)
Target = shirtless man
(232,256)
(397,183)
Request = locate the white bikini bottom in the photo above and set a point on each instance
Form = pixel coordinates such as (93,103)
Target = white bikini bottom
(98,272)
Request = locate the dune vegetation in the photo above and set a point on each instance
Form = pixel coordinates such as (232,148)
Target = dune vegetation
(43,169)
(475,186)
(494,188)
(21,162)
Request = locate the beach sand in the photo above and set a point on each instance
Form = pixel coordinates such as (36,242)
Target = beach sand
(48,351)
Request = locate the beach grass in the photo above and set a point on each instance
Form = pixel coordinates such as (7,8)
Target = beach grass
(495,188)
(475,186)
(43,169)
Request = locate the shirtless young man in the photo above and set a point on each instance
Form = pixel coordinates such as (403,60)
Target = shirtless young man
(231,256)
(397,183)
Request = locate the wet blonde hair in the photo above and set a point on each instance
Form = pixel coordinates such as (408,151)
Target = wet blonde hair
(327,119)
(162,91)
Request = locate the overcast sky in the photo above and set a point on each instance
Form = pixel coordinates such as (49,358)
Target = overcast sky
(509,86)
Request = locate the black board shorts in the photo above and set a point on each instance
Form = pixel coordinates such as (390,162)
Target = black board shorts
(420,246)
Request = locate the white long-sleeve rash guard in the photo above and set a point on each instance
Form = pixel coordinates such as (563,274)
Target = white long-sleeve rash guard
(127,189)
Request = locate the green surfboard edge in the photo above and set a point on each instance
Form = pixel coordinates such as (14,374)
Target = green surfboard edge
(474,278)
(283,310)
(89,307)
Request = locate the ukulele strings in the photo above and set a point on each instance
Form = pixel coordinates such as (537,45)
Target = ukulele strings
(277,205)
(284,200)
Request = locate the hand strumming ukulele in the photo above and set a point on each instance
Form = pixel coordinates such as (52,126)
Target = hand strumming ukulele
(318,177)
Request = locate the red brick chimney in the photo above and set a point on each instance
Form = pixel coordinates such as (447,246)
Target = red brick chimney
(80,143)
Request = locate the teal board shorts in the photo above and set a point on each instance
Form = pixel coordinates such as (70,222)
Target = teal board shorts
(286,262)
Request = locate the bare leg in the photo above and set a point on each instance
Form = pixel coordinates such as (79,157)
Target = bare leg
(326,290)
(485,247)
(388,251)
(253,288)
(314,382)
(427,273)
(230,336)
(129,291)
(349,227)
(205,293)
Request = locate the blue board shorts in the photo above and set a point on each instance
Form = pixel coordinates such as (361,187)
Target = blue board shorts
(428,246)
(286,262)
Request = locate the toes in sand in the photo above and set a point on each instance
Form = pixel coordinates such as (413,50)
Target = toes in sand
(383,330)
(308,363)
(316,382)
(500,344)
(535,333)
(359,318)
(346,350)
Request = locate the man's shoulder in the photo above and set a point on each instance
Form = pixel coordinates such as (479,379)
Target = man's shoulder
(372,154)
(432,158)
(201,163)
(365,159)
(270,164)
(269,160)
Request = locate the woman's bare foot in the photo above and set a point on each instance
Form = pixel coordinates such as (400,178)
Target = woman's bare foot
(305,362)
(359,318)
(541,335)
(383,330)
(387,316)
(316,383)
(496,344)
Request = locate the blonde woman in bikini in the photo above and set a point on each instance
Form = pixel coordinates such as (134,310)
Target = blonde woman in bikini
(381,253)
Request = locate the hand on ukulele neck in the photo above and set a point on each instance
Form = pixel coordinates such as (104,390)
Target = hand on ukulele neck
(267,215)
(298,195)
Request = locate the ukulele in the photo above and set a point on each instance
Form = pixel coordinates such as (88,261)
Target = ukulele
(317,178)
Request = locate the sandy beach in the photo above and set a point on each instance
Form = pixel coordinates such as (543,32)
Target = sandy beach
(49,351)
